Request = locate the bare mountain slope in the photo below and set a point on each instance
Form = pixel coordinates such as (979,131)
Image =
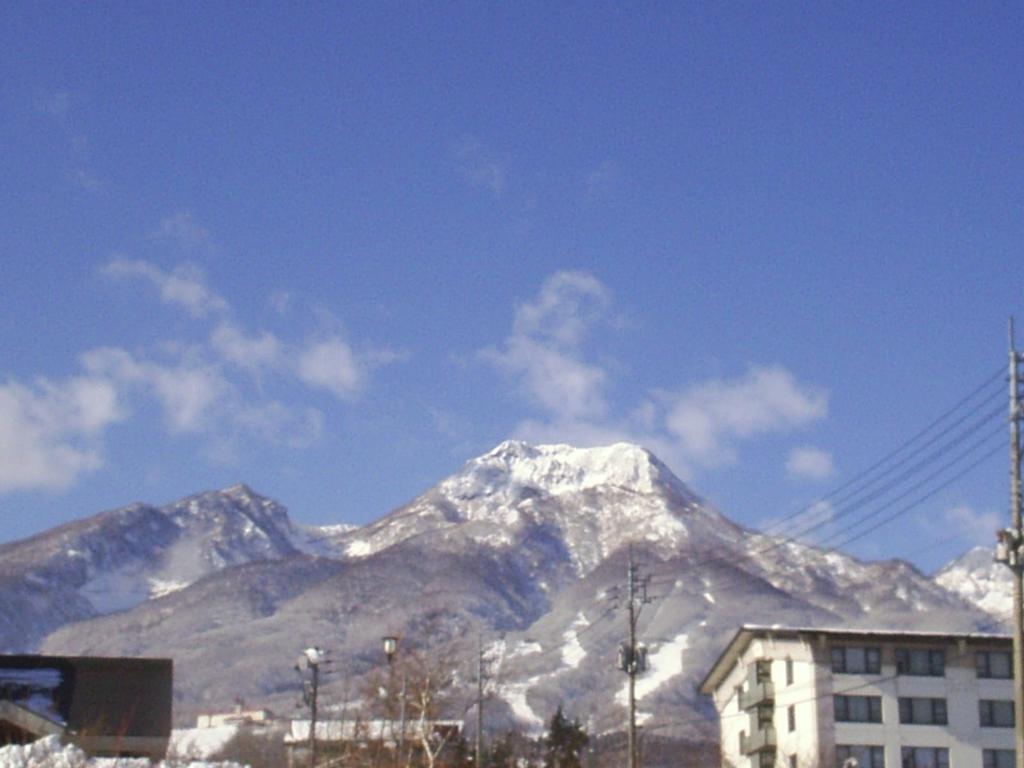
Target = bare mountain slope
(528,546)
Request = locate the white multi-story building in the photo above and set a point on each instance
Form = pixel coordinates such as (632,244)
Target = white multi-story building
(815,698)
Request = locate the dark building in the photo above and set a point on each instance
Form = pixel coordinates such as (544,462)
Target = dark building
(106,706)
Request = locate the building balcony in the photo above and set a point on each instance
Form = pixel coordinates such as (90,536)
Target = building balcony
(759,741)
(758,693)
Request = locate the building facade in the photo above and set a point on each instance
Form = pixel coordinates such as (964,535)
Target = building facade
(109,707)
(818,698)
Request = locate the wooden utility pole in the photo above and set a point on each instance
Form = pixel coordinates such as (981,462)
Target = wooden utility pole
(632,655)
(479,701)
(1010,549)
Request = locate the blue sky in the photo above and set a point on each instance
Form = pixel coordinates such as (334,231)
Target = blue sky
(334,252)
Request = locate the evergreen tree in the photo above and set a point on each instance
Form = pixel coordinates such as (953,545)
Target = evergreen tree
(564,743)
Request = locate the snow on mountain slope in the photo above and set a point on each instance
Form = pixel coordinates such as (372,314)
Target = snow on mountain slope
(591,500)
(118,559)
(980,580)
(527,542)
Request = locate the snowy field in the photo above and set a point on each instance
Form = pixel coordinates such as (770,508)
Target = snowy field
(50,753)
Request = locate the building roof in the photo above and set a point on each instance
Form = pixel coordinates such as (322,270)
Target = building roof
(748,632)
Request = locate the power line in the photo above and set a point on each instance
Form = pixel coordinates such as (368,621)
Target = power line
(868,471)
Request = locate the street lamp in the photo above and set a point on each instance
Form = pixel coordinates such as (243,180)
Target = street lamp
(311,659)
(390,645)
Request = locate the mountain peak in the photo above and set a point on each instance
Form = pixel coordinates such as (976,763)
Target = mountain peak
(559,468)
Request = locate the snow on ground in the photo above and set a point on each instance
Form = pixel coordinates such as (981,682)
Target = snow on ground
(572,652)
(50,753)
(524,649)
(662,666)
(200,743)
(514,695)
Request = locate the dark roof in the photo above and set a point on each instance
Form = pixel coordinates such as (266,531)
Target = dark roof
(745,634)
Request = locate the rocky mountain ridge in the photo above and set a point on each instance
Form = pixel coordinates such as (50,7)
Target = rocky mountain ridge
(526,546)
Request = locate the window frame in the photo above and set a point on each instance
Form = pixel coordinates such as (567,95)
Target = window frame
(984,669)
(936,752)
(990,758)
(937,710)
(987,710)
(936,662)
(845,751)
(840,658)
(873,704)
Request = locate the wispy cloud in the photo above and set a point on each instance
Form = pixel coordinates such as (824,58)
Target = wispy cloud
(709,417)
(50,431)
(600,182)
(543,354)
(182,228)
(332,365)
(811,463)
(184,286)
(700,425)
(59,106)
(975,527)
(479,168)
(253,352)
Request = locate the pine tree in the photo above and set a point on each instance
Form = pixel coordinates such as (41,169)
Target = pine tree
(564,743)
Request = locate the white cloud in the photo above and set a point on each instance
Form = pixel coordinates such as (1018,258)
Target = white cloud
(702,425)
(184,286)
(568,305)
(709,417)
(974,527)
(251,352)
(811,463)
(187,390)
(600,182)
(543,354)
(331,365)
(479,168)
(49,432)
(183,228)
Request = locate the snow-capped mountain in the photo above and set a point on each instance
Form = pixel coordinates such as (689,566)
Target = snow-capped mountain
(526,545)
(980,580)
(118,559)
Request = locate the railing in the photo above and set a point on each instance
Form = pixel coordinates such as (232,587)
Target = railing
(757,693)
(759,740)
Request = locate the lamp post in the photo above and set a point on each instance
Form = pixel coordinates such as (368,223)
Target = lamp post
(311,659)
(389,643)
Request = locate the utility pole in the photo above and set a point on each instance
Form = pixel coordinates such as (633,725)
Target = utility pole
(479,701)
(1010,549)
(633,655)
(310,660)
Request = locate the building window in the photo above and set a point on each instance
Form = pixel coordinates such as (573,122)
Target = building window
(866,755)
(792,761)
(743,737)
(998,758)
(996,713)
(997,664)
(791,717)
(765,716)
(763,670)
(858,709)
(789,671)
(766,759)
(854,660)
(924,757)
(920,711)
(929,662)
